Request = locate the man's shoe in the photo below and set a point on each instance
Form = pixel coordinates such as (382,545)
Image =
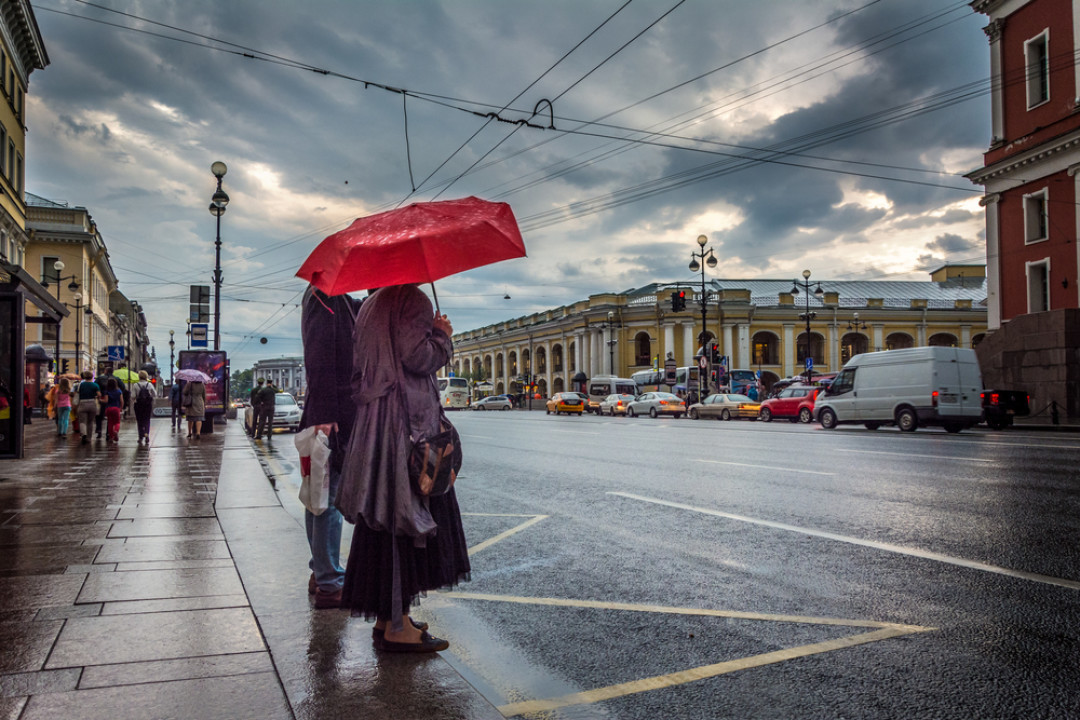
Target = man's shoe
(311,585)
(326,600)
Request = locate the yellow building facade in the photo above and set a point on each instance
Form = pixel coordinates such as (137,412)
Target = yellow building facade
(758,325)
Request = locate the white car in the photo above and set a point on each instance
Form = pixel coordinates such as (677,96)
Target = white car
(286,414)
(493,402)
(654,404)
(615,404)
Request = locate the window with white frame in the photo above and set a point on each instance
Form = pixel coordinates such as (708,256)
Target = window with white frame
(1036,221)
(1037,62)
(1038,282)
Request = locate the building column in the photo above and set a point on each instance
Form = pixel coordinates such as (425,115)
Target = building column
(744,348)
(727,348)
(993,261)
(689,343)
(669,343)
(997,89)
(879,337)
(965,336)
(834,348)
(594,353)
(789,349)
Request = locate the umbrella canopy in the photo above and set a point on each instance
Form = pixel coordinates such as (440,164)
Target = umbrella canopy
(190,375)
(415,244)
(126,375)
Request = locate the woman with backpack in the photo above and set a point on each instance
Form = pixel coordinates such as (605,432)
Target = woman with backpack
(143,392)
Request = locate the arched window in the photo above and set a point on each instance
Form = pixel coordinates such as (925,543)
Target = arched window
(512,357)
(499,366)
(557,385)
(977,339)
(541,360)
(557,358)
(851,345)
(942,340)
(817,351)
(643,349)
(571,358)
(526,364)
(766,349)
(898,341)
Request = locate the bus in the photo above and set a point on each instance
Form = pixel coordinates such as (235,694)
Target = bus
(455,393)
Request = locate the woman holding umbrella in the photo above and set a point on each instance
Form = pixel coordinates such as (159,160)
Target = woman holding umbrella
(195,407)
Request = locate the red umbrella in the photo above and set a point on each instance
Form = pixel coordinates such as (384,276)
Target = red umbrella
(418,243)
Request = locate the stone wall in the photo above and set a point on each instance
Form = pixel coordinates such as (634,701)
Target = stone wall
(1039,353)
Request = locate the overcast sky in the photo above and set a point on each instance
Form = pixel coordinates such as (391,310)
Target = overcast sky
(663,115)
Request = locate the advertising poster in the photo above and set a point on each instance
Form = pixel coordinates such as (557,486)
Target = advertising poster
(214,363)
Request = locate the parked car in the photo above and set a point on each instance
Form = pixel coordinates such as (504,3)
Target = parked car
(1001,406)
(493,402)
(795,402)
(654,404)
(566,402)
(286,414)
(910,387)
(724,406)
(615,404)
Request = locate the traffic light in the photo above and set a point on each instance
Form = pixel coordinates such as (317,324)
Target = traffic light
(678,300)
(64,365)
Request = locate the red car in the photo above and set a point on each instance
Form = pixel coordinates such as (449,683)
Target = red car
(796,403)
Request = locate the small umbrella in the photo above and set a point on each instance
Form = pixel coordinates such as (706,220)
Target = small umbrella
(126,375)
(190,375)
(418,243)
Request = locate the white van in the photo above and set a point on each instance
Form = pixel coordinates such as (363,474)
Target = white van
(602,386)
(912,387)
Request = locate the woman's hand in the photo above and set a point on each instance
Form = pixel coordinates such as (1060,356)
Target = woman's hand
(442,323)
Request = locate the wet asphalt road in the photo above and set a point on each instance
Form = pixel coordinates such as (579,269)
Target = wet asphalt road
(699,569)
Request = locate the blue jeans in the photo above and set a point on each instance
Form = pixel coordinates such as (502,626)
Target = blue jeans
(324,539)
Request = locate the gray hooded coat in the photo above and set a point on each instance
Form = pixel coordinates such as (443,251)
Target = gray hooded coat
(395,356)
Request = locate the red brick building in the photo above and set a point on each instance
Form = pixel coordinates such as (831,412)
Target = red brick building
(1030,176)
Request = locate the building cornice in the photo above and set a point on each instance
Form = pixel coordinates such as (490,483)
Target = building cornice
(1040,154)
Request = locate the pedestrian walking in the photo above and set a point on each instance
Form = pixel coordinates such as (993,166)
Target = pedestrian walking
(264,411)
(50,403)
(143,392)
(114,408)
(326,327)
(62,399)
(403,545)
(90,398)
(195,407)
(123,386)
(176,399)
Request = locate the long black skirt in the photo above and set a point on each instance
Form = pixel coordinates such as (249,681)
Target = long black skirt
(369,573)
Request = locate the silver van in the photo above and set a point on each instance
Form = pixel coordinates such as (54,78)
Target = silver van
(602,386)
(929,386)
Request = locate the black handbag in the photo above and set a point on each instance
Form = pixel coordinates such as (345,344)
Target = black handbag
(434,461)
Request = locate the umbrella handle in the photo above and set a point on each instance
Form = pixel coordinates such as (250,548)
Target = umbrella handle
(436,297)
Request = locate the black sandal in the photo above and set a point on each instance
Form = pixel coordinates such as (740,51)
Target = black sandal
(428,644)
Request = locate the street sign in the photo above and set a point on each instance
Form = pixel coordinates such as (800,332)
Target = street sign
(809,363)
(199,331)
(703,362)
(115,353)
(670,366)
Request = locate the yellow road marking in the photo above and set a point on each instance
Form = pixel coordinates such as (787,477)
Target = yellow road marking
(699,673)
(503,535)
(882,631)
(670,610)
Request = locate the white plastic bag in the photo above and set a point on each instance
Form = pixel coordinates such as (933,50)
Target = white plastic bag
(314,451)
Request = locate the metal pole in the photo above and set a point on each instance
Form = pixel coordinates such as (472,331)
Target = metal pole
(217,283)
(78,325)
(56,365)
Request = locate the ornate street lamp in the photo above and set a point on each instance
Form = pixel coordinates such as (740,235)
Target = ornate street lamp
(73,286)
(78,327)
(217,209)
(804,286)
(707,258)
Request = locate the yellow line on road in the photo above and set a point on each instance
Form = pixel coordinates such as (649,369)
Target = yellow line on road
(699,673)
(670,610)
(502,536)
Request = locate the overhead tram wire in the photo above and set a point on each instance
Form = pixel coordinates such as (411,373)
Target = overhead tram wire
(564,92)
(518,96)
(858,48)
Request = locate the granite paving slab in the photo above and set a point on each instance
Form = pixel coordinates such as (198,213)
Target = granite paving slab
(45,681)
(26,645)
(149,549)
(158,584)
(155,636)
(38,591)
(166,510)
(165,527)
(182,669)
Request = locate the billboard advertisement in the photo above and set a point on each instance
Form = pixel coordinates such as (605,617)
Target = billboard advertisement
(214,363)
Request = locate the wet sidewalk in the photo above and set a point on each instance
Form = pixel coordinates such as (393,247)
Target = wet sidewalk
(170,582)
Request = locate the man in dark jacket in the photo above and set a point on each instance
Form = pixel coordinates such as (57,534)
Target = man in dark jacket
(326,325)
(264,410)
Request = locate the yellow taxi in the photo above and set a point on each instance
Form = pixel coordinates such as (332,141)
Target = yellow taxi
(566,402)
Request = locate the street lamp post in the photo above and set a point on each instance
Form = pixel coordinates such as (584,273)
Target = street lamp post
(804,286)
(217,209)
(707,258)
(172,356)
(78,327)
(612,341)
(73,286)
